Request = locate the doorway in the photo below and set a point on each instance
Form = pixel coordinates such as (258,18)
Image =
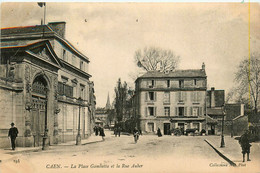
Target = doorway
(150,127)
(166,129)
(39,109)
(181,126)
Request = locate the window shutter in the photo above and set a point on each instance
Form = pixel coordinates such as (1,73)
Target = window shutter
(185,111)
(176,96)
(200,110)
(155,111)
(199,96)
(155,96)
(154,82)
(147,84)
(192,96)
(191,111)
(179,96)
(146,111)
(146,96)
(176,111)
(185,96)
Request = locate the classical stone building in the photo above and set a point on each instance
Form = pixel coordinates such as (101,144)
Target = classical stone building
(44,84)
(174,99)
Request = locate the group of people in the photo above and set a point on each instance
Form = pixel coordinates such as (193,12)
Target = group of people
(244,140)
(117,131)
(99,130)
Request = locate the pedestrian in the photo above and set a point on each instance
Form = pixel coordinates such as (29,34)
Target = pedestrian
(245,145)
(13,132)
(119,131)
(115,131)
(136,134)
(96,130)
(102,133)
(159,132)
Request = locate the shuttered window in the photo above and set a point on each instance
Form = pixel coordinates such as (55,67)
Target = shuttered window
(64,89)
(196,96)
(166,98)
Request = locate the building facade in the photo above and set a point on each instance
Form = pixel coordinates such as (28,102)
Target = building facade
(229,116)
(174,99)
(44,86)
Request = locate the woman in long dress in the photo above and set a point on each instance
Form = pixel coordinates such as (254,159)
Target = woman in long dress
(102,133)
(159,132)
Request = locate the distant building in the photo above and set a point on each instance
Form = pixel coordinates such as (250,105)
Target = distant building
(42,77)
(101,116)
(215,111)
(174,99)
(218,110)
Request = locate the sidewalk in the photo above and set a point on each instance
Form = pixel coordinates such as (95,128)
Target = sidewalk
(232,150)
(89,140)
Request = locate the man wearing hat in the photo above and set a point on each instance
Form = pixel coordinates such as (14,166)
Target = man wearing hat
(245,144)
(13,131)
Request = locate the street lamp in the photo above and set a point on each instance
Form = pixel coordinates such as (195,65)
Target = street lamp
(45,136)
(78,138)
(222,144)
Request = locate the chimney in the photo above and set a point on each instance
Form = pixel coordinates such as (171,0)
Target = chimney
(212,97)
(58,27)
(242,109)
(203,66)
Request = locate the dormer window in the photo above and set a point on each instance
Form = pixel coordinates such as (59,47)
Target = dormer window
(168,83)
(81,65)
(181,83)
(151,83)
(64,55)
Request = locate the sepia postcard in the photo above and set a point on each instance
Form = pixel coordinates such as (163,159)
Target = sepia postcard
(156,87)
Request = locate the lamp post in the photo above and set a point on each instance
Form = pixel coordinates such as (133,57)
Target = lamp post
(45,137)
(78,138)
(222,144)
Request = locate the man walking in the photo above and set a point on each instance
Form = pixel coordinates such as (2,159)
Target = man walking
(13,131)
(119,131)
(245,145)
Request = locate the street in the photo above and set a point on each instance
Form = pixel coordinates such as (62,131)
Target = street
(121,154)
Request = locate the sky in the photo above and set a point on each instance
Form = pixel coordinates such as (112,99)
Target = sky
(110,33)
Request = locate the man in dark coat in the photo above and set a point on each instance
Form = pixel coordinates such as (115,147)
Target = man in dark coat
(96,130)
(245,145)
(115,131)
(119,131)
(13,132)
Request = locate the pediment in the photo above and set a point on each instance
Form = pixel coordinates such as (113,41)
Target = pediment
(44,52)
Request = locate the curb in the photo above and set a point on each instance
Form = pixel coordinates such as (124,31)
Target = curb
(222,155)
(37,149)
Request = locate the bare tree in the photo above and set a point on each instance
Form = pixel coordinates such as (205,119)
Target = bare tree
(153,59)
(248,79)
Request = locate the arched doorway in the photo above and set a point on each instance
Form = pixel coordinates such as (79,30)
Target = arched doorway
(39,109)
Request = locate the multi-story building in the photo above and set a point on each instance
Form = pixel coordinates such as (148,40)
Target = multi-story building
(174,99)
(220,115)
(44,84)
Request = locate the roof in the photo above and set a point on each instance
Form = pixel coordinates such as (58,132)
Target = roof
(19,43)
(211,120)
(25,29)
(38,29)
(240,116)
(214,111)
(176,73)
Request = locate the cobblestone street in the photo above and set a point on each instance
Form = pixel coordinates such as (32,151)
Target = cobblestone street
(121,154)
